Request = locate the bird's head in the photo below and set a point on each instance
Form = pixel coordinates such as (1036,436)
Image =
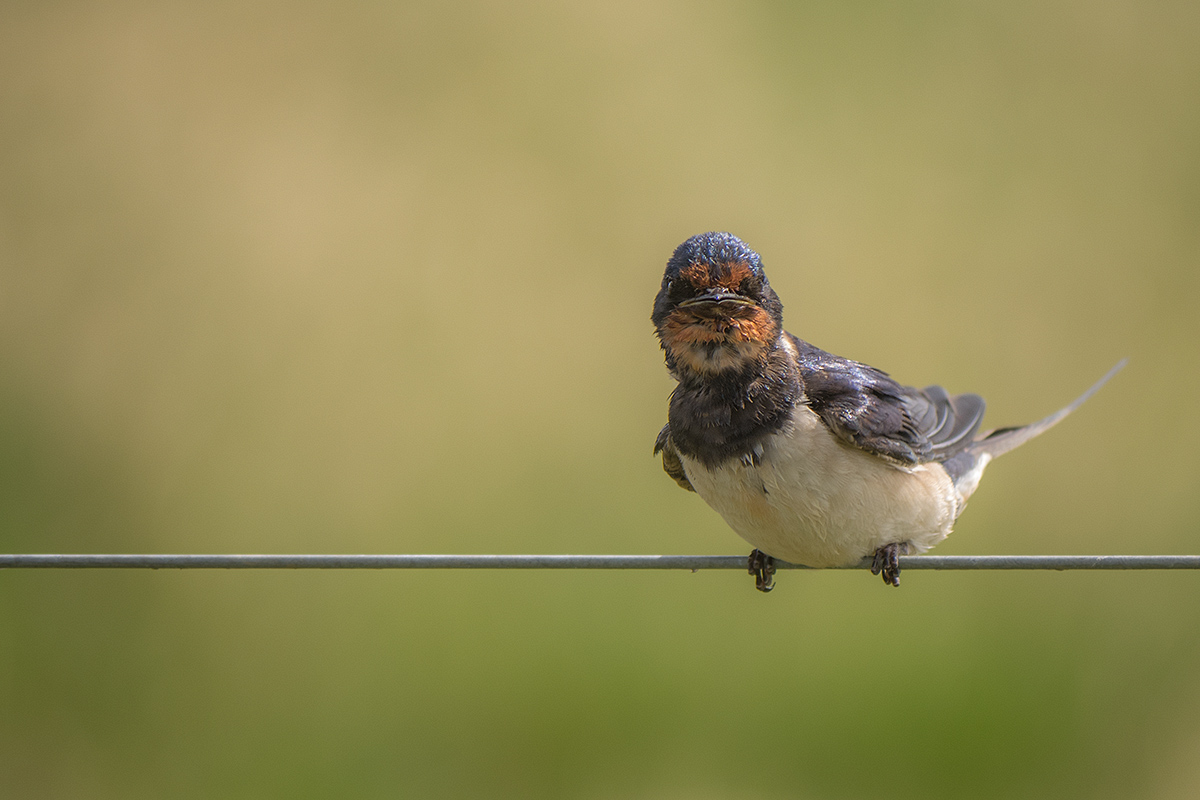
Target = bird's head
(715,311)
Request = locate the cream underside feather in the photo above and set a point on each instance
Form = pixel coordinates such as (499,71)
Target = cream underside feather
(814,500)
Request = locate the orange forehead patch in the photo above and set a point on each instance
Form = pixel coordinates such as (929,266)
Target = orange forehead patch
(730,275)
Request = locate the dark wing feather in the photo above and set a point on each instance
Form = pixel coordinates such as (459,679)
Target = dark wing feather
(864,407)
(672,464)
(955,419)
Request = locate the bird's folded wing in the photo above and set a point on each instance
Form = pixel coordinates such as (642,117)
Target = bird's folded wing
(864,407)
(672,464)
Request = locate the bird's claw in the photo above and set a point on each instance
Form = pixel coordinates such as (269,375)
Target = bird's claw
(762,567)
(887,562)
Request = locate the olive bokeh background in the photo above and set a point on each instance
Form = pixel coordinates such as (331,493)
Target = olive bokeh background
(376,277)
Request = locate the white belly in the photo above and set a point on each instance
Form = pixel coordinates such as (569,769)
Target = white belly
(813,500)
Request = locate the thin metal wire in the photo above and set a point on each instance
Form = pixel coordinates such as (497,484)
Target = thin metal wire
(693,563)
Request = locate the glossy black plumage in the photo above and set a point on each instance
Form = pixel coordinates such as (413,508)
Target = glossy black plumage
(865,407)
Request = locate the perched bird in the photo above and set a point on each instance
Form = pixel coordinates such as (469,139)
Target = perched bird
(812,458)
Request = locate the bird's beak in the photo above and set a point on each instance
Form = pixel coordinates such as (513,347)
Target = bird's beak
(718,296)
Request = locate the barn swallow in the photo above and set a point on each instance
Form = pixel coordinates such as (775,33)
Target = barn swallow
(811,458)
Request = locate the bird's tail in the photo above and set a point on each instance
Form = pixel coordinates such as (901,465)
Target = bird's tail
(1000,441)
(966,468)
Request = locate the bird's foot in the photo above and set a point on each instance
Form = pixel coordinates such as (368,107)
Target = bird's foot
(762,567)
(887,562)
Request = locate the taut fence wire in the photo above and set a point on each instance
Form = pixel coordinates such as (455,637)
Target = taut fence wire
(684,562)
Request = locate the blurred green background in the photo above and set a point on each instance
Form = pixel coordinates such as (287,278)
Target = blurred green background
(376,277)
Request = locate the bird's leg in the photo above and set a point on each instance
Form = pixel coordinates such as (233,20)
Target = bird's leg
(762,567)
(887,561)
